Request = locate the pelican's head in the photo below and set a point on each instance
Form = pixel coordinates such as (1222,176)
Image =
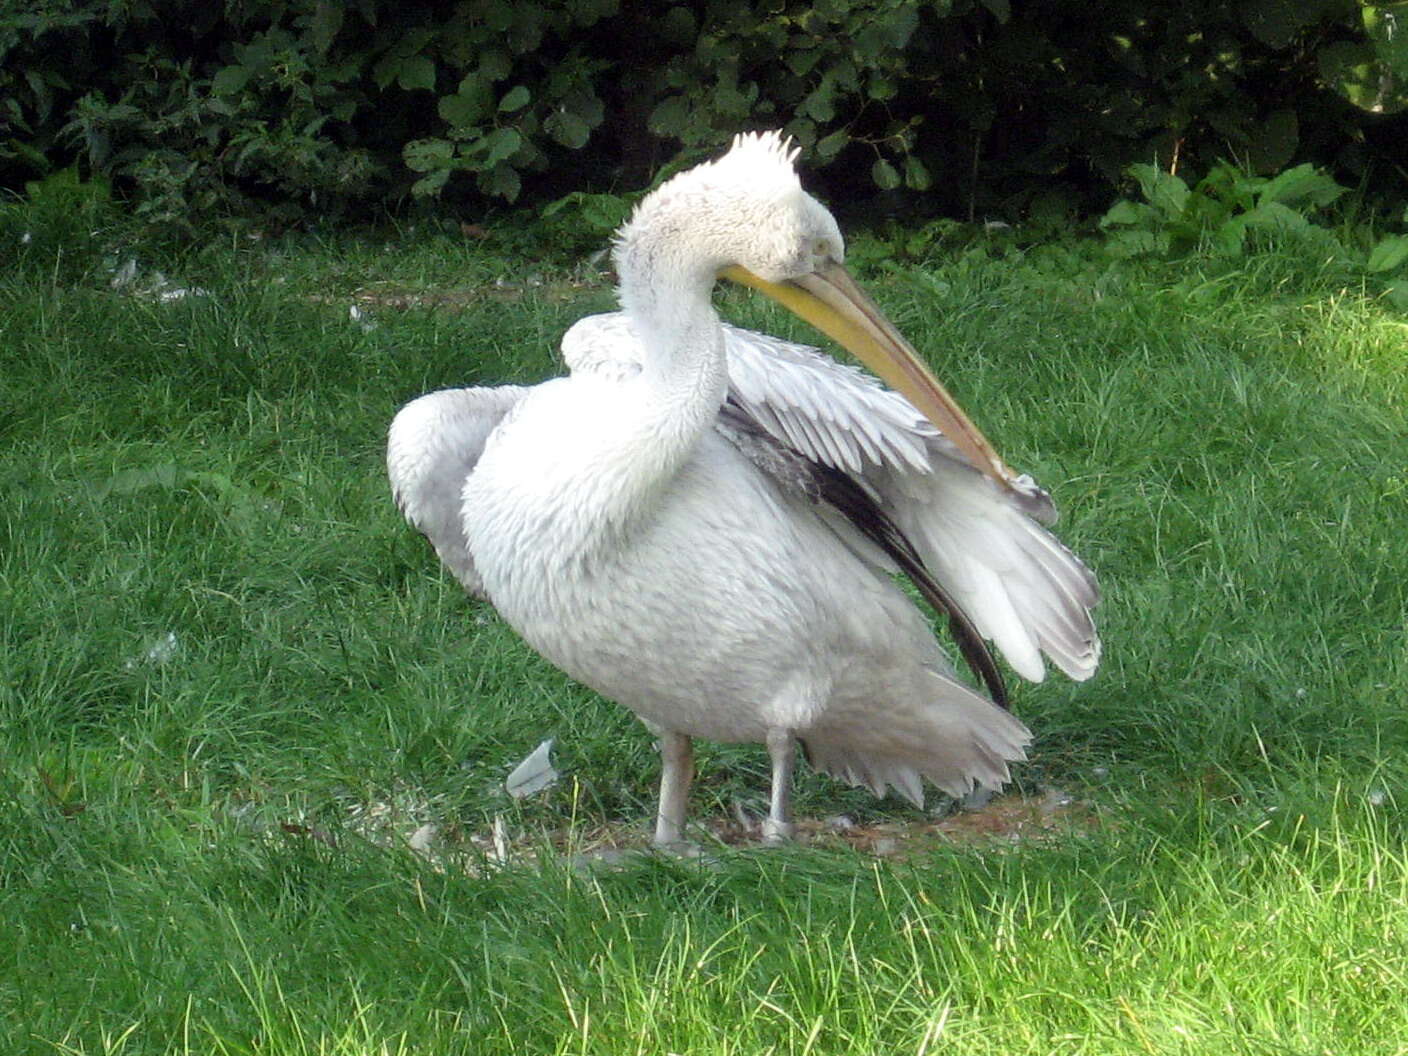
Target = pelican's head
(746,208)
(746,218)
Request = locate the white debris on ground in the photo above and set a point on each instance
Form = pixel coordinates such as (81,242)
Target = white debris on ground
(500,838)
(534,774)
(361,318)
(158,288)
(406,818)
(420,840)
(159,652)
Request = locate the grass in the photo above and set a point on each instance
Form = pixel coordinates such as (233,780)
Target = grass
(232,685)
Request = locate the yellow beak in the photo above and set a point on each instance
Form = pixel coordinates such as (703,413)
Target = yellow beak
(831,301)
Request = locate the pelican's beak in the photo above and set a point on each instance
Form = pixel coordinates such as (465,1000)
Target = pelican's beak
(831,301)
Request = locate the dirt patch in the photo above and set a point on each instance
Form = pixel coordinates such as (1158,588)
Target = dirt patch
(1002,822)
(393,296)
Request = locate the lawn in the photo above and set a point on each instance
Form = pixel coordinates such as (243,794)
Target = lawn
(254,741)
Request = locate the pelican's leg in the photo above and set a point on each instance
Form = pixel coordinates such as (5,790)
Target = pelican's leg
(676,774)
(782,747)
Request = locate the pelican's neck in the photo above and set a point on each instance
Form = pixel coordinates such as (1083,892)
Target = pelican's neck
(665,289)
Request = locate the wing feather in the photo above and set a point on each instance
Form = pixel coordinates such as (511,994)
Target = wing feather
(1020,586)
(431,449)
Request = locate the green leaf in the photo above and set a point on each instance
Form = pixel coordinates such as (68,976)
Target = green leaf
(414,42)
(1272,142)
(819,105)
(1126,213)
(1135,243)
(829,146)
(416,72)
(1001,9)
(803,131)
(881,88)
(1277,22)
(327,20)
(1230,237)
(1164,191)
(568,129)
(885,175)
(603,212)
(1388,254)
(430,183)
(516,98)
(230,80)
(916,176)
(502,181)
(670,116)
(801,58)
(425,155)
(678,26)
(1304,185)
(500,144)
(1397,294)
(882,36)
(385,70)
(1387,27)
(464,109)
(1355,72)
(495,64)
(1275,216)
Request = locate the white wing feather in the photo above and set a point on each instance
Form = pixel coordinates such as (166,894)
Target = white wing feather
(431,448)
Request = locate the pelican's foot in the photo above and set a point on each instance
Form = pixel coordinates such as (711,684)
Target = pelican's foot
(778,832)
(679,849)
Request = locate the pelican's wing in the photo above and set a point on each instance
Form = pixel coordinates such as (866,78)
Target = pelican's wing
(436,440)
(432,447)
(862,524)
(1018,585)
(829,411)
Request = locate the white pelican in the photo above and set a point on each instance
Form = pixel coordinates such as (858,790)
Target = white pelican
(702,523)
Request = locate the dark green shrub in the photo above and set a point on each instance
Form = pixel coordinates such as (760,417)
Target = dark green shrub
(311,108)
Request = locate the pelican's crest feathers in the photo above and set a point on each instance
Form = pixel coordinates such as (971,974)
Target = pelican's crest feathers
(762,164)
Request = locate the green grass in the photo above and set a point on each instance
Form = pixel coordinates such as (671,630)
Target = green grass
(203,839)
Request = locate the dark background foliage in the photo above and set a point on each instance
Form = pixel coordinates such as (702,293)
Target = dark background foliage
(293,110)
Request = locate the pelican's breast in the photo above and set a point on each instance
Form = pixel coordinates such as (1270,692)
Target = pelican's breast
(685,608)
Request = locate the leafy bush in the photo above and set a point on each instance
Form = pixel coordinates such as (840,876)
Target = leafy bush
(1221,212)
(970,107)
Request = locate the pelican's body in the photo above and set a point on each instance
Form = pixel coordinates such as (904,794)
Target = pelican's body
(669,523)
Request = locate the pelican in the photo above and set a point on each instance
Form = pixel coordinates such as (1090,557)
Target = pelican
(704,523)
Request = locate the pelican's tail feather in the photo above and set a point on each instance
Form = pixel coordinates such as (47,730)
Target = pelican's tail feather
(955,743)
